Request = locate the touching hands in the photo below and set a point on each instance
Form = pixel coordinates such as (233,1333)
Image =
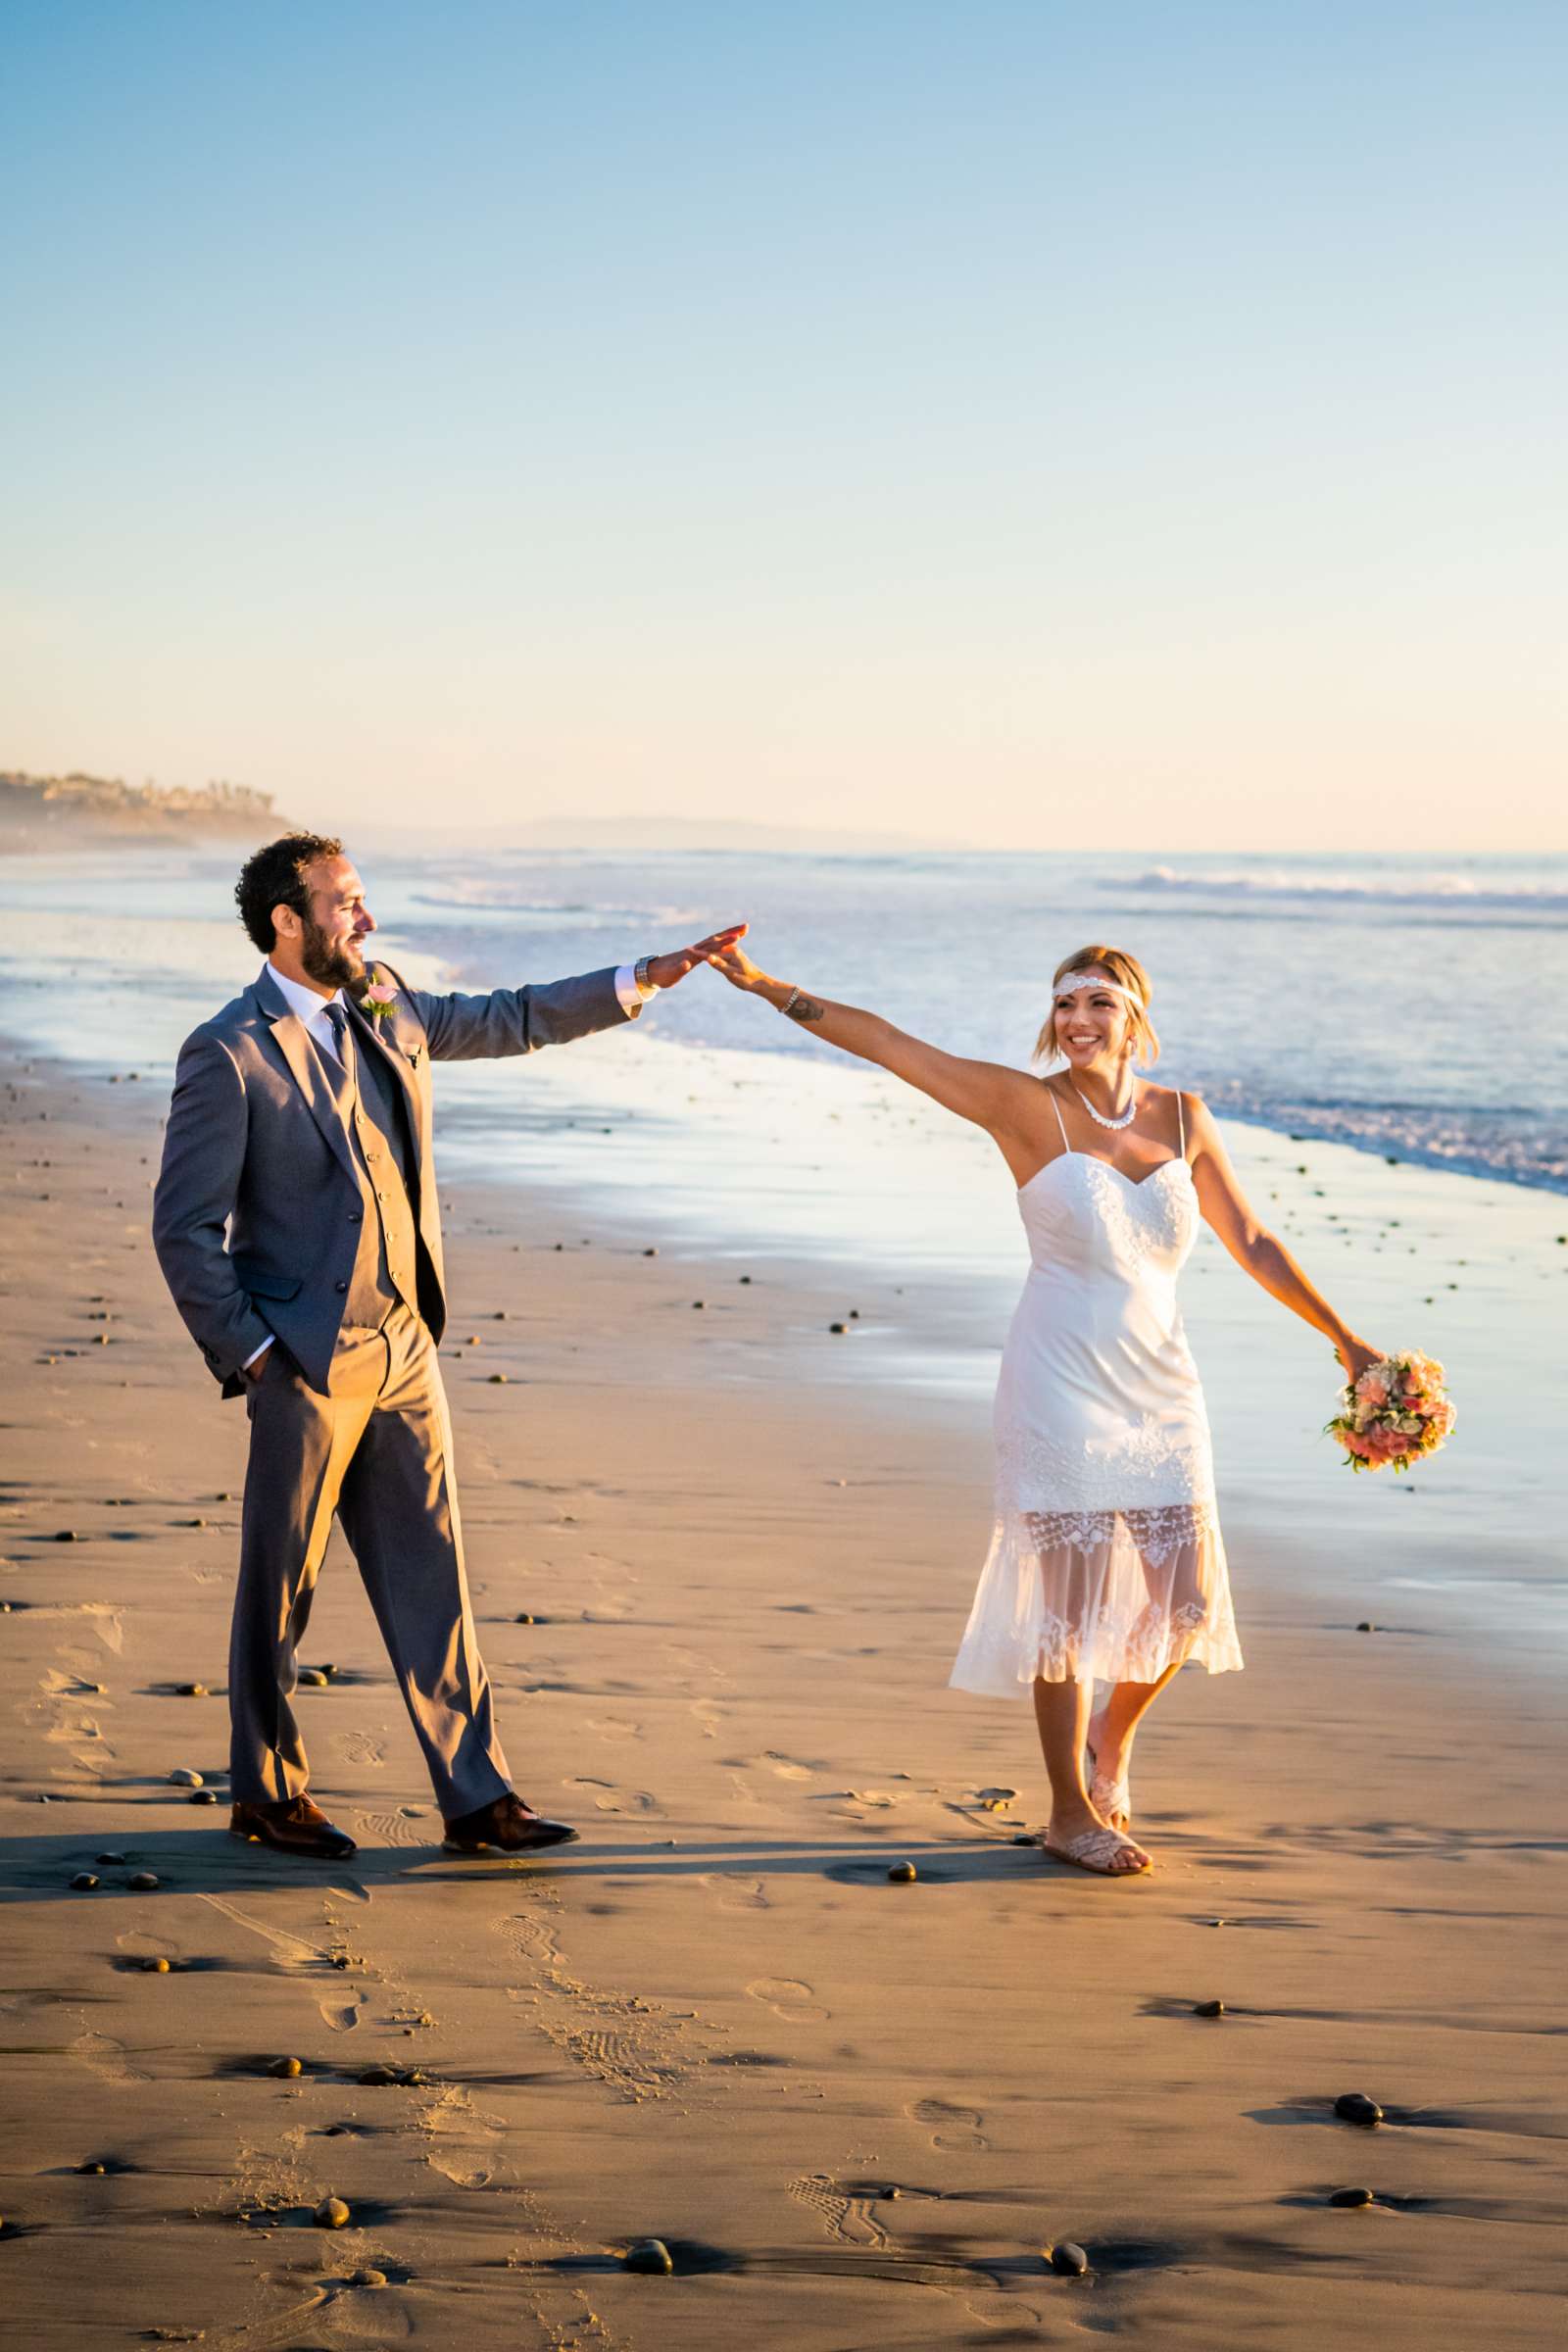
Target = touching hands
(667,972)
(737,966)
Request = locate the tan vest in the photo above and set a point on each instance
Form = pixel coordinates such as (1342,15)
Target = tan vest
(387,1261)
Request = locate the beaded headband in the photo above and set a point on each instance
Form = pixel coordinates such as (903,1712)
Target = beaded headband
(1073,981)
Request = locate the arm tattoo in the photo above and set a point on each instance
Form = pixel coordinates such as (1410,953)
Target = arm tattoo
(806,1008)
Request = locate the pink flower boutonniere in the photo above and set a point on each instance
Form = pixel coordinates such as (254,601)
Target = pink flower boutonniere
(378,999)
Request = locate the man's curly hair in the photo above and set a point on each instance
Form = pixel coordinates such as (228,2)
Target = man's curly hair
(276,877)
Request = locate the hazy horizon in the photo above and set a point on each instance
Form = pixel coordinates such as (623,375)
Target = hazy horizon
(1005,427)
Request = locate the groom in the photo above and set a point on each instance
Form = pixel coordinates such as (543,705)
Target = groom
(296,1225)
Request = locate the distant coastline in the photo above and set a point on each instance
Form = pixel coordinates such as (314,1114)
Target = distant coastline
(46,812)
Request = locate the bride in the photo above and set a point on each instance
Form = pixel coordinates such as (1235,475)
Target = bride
(1105,1562)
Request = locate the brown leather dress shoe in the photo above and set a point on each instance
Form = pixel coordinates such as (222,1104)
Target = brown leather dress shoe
(506,1824)
(295,1827)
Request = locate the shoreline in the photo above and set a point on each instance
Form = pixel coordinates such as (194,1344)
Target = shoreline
(747,1559)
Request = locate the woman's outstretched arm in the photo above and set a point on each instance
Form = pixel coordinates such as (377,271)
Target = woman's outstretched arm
(990,1094)
(1254,1248)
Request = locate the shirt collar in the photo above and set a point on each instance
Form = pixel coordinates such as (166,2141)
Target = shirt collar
(302,1000)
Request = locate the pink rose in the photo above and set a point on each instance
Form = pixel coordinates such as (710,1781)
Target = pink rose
(1374,1390)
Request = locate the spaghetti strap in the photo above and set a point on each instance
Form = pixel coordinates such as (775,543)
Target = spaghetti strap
(1060,1121)
(1181,1123)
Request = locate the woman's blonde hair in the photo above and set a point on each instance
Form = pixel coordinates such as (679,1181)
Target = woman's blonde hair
(1121,967)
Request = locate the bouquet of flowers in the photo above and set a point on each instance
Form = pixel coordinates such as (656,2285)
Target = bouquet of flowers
(1396,1413)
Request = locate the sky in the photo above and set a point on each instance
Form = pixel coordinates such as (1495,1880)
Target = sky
(1019,423)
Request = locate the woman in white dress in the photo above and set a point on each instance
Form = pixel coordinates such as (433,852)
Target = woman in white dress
(1105,1562)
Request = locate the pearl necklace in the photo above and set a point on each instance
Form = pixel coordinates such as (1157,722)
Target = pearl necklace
(1100,1118)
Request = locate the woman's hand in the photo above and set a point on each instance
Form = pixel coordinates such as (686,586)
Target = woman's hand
(739,971)
(1355,1355)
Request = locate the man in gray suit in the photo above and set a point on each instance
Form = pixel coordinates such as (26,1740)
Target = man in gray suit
(296,1225)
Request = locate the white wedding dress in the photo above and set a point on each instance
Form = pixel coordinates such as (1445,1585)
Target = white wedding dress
(1105,1559)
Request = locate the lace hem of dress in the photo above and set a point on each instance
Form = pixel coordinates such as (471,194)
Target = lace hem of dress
(1158,1530)
(1107,1597)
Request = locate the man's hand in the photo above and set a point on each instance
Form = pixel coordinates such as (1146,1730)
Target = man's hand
(665,971)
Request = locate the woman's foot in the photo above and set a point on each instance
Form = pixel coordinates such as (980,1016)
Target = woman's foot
(1083,1837)
(1106,1774)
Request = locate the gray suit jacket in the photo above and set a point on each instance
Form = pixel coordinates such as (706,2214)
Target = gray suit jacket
(252,1202)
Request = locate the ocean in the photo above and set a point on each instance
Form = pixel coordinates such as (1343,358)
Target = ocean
(1397,1006)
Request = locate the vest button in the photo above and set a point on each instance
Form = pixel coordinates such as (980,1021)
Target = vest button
(342,1286)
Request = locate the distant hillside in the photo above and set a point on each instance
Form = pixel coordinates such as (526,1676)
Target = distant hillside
(40,812)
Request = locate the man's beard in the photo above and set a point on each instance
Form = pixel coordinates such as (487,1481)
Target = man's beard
(332,963)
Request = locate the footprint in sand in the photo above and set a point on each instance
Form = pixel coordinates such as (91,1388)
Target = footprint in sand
(842,2214)
(957,2128)
(392,1829)
(736,1893)
(137,1945)
(789,1999)
(359,1747)
(706,1718)
(787,1768)
(341,2016)
(106,2058)
(614,1727)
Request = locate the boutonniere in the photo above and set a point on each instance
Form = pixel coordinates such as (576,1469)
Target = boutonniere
(378,999)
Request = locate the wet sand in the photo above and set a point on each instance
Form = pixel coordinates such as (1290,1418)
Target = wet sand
(854,2110)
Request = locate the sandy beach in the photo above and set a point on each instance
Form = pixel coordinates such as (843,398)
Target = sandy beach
(720,1567)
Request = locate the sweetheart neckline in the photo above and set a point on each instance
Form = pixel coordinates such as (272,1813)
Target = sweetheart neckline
(1134,1184)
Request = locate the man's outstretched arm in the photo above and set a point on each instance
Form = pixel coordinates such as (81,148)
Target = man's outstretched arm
(552,1013)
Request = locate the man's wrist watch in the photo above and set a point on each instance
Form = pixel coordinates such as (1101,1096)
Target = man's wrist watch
(645,985)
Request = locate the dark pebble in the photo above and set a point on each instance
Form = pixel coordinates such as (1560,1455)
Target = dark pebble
(184,1775)
(286,2067)
(1210,2009)
(839,1326)
(746,1278)
(1024,1837)
(67,1534)
(1354,2107)
(1067,2260)
(328,1668)
(143,1882)
(369,2279)
(697,1303)
(313,1678)
(340,1959)
(650,2254)
(190,1689)
(95,2168)
(498,1379)
(902,1874)
(154,1966)
(85,1881)
(110,1859)
(1351,2196)
(524,1617)
(649,1253)
(1366,1626)
(331,2214)
(377,2075)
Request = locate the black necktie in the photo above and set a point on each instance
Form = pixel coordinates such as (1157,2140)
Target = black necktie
(338,1017)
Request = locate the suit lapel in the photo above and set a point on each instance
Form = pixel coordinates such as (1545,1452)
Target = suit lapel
(292,1041)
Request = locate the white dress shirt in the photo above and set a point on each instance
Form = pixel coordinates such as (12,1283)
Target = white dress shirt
(310,1006)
